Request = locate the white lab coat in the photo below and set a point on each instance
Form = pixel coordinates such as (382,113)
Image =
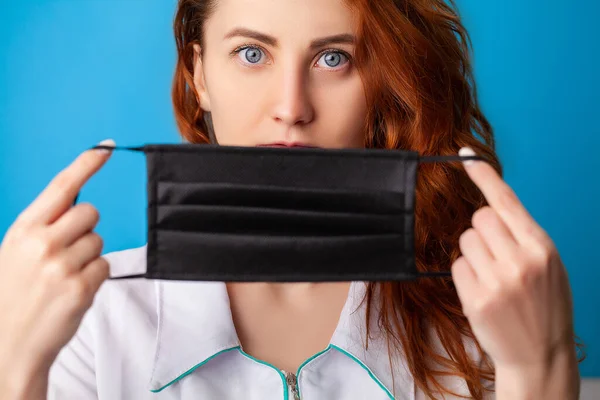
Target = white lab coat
(162,340)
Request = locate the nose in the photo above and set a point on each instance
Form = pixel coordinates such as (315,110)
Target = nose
(292,103)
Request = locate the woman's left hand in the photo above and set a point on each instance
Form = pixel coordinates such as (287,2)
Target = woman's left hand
(510,279)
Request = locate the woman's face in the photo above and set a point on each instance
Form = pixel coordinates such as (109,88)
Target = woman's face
(281,71)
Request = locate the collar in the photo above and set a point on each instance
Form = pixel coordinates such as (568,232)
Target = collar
(350,336)
(195,324)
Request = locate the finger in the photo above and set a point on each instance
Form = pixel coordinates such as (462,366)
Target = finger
(476,252)
(495,234)
(502,199)
(83,251)
(73,224)
(58,196)
(95,273)
(466,282)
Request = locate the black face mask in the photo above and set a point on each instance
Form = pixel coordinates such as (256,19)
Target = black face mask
(225,213)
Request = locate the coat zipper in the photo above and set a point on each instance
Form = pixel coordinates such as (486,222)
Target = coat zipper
(292,383)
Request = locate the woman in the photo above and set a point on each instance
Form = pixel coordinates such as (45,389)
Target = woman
(325,73)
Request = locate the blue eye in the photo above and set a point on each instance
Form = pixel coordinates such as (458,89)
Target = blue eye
(254,55)
(249,54)
(333,58)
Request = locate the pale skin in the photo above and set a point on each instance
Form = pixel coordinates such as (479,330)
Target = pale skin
(509,275)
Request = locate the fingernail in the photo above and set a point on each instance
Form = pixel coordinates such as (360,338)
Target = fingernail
(467,151)
(106,142)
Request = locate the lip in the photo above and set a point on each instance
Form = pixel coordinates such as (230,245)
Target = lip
(286,144)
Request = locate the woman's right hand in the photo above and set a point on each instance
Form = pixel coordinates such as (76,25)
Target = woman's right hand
(50,269)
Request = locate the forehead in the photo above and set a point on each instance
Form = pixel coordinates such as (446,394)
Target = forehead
(283,18)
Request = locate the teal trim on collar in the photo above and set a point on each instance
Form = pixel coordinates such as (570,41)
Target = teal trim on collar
(306,362)
(239,348)
(283,379)
(193,368)
(285,386)
(312,358)
(371,374)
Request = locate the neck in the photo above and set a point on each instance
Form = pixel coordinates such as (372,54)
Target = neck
(296,293)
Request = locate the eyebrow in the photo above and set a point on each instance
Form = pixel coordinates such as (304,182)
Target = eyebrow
(271,41)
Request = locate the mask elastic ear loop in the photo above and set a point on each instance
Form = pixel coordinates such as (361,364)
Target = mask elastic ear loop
(423,159)
(141,149)
(434,274)
(114,278)
(103,147)
(443,274)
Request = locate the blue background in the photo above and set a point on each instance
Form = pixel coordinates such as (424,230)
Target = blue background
(75,72)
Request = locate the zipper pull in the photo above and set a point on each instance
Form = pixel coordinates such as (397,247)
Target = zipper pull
(292,382)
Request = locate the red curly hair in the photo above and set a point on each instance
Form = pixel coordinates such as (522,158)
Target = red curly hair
(414,59)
